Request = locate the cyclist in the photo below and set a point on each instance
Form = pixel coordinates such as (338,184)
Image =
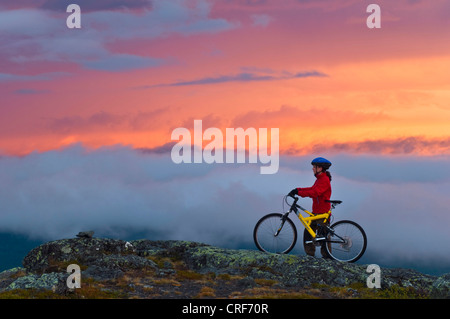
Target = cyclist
(319,193)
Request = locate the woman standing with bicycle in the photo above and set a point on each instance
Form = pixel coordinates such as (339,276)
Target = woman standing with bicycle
(320,193)
(344,241)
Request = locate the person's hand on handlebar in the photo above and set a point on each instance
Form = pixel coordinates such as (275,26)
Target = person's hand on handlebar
(293,192)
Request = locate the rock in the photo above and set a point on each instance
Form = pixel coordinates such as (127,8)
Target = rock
(55,282)
(9,276)
(103,259)
(441,287)
(99,273)
(290,270)
(86,234)
(101,252)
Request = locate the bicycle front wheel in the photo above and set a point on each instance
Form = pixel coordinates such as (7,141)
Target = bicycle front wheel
(346,242)
(275,233)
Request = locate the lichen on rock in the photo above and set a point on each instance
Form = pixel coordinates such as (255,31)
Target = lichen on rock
(103,259)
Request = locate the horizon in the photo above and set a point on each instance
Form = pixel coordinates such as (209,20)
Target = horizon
(23,245)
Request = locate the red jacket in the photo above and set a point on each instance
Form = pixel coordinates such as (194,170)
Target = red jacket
(319,192)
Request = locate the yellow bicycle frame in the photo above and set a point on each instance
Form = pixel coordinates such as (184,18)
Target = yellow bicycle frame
(306,221)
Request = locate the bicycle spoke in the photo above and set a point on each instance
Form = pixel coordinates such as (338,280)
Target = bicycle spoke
(265,234)
(351,244)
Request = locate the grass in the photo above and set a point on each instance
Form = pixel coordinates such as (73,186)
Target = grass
(206,292)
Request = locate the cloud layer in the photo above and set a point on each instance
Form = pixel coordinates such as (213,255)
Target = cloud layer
(121,191)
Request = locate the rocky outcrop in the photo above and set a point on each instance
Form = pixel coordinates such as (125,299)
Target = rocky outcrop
(108,260)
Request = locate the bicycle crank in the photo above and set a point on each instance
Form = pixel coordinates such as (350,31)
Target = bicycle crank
(316,241)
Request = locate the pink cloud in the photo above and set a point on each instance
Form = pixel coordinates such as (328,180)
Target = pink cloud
(35,35)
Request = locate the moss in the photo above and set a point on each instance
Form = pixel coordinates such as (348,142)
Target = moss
(291,260)
(397,292)
(360,291)
(66,249)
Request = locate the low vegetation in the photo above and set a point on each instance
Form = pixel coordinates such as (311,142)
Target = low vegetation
(196,271)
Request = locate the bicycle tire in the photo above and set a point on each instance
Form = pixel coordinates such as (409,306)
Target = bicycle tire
(264,234)
(352,248)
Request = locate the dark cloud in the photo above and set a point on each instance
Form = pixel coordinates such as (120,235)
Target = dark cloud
(243,77)
(89,5)
(44,37)
(70,124)
(6,77)
(163,149)
(107,121)
(407,145)
(122,62)
(31,91)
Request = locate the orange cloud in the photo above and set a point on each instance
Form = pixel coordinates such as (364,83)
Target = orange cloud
(260,68)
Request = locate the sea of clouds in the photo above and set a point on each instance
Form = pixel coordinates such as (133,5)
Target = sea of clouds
(402,202)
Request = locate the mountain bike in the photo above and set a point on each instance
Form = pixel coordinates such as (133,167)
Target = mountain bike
(345,240)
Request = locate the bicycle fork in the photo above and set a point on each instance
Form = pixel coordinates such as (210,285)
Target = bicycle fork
(283,220)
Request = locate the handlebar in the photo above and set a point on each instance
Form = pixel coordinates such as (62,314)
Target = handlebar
(294,204)
(333,203)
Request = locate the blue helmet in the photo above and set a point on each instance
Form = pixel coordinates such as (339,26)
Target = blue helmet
(322,162)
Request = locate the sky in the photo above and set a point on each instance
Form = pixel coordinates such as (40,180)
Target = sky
(86,117)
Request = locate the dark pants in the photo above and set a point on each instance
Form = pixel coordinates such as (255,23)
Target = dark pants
(310,249)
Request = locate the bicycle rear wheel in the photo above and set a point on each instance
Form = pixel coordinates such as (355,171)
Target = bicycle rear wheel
(346,242)
(275,233)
